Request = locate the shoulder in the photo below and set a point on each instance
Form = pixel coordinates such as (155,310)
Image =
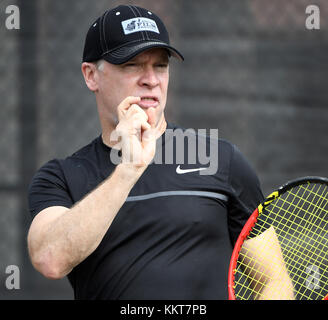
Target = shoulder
(243,178)
(88,152)
(61,182)
(56,170)
(240,166)
(83,160)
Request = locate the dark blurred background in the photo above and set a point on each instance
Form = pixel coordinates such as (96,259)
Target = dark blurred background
(252,70)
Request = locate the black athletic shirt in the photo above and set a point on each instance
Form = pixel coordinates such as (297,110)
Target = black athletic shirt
(172,238)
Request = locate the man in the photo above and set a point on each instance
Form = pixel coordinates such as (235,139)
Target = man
(137,229)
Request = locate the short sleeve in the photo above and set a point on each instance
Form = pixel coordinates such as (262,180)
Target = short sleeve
(246,190)
(48,188)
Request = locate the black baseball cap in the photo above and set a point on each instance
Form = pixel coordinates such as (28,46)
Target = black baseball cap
(123,32)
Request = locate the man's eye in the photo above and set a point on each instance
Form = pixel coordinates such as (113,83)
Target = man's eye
(162,65)
(130,64)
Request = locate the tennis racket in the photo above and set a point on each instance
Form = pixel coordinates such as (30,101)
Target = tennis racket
(282,251)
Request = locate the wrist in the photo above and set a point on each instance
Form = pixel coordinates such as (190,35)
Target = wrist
(130,172)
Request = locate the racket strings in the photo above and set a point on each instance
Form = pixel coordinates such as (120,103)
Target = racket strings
(307,245)
(299,218)
(304,248)
(286,225)
(304,235)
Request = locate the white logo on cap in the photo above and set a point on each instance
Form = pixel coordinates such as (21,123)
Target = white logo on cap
(138,25)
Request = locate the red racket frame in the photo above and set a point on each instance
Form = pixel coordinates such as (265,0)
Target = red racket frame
(233,261)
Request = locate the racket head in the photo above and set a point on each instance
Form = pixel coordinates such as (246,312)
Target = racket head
(298,212)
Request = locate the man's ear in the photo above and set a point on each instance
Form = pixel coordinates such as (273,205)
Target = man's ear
(89,71)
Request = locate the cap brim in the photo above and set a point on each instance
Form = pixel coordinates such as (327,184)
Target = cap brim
(126,53)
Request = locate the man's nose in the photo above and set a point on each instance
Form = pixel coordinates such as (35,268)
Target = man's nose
(149,78)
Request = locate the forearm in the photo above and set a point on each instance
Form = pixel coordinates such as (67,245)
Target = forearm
(74,235)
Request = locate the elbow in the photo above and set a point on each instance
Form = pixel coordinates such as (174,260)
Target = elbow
(52,272)
(48,266)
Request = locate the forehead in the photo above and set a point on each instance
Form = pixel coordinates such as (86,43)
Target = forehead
(154,53)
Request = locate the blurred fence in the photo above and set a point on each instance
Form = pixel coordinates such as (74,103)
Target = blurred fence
(253,70)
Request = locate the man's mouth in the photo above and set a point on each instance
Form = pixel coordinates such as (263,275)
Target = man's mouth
(148,102)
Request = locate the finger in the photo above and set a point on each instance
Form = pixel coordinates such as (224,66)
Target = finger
(151,117)
(145,126)
(136,110)
(139,123)
(125,105)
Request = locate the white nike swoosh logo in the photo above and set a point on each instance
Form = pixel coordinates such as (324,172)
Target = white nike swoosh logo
(182,171)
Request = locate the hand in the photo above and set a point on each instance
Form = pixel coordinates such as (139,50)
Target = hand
(135,132)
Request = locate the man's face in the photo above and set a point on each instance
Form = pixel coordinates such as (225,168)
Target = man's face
(145,76)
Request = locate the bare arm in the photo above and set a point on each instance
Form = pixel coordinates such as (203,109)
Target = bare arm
(61,238)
